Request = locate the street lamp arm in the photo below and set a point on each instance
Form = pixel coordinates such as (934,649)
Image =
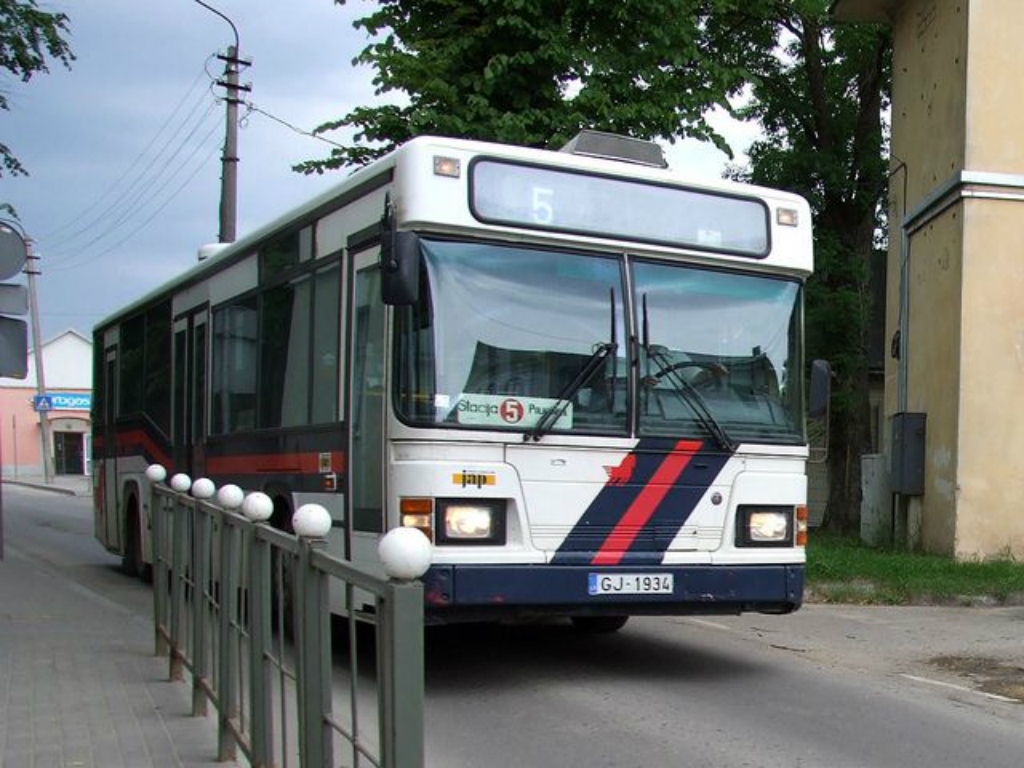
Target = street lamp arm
(233,27)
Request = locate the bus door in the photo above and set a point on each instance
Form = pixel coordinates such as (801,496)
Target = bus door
(364,411)
(190,355)
(111,533)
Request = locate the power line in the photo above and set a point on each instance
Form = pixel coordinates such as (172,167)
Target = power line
(204,71)
(116,218)
(74,262)
(253,108)
(142,178)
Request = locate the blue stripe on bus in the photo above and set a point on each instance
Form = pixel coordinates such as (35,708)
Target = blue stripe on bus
(600,519)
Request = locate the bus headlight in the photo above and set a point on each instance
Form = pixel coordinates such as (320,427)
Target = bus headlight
(470,521)
(764,526)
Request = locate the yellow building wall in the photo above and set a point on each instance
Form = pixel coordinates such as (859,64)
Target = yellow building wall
(933,370)
(990,518)
(928,138)
(957,103)
(928,119)
(995,89)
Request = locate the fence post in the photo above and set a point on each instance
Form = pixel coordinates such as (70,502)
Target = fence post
(257,511)
(228,666)
(201,579)
(158,506)
(400,649)
(312,523)
(177,586)
(405,554)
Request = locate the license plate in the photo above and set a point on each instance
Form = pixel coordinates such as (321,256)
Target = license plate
(630,584)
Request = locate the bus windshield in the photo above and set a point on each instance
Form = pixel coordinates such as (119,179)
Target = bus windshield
(536,341)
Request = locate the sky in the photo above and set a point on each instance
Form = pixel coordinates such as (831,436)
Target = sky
(123,149)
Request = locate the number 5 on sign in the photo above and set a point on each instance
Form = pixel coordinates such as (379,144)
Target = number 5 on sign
(543,210)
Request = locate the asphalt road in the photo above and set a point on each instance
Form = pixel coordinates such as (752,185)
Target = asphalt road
(830,686)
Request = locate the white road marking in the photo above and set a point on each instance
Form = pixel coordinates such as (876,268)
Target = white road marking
(706,623)
(961,688)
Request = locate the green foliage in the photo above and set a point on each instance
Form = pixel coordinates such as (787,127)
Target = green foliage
(534,73)
(819,90)
(844,570)
(28,36)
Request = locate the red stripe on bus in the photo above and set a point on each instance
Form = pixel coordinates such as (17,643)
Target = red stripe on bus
(266,463)
(140,437)
(646,502)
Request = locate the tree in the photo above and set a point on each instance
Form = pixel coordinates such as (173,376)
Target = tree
(520,71)
(819,90)
(28,37)
(533,73)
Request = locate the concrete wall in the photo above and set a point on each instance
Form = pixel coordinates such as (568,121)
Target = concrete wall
(994,87)
(928,137)
(990,518)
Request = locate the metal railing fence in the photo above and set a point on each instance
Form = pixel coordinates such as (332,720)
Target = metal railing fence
(246,609)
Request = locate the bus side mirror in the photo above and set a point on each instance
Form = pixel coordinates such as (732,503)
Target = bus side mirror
(821,389)
(400,269)
(399,263)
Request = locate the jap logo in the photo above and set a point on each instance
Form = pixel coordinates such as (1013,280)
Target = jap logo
(511,411)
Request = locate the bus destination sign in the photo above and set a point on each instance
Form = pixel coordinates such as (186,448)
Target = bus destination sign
(605,206)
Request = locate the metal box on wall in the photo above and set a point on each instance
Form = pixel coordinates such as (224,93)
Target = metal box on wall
(908,445)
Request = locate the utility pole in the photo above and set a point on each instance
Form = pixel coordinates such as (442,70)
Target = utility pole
(31,271)
(229,158)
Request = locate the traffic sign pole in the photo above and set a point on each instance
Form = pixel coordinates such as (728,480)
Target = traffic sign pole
(31,270)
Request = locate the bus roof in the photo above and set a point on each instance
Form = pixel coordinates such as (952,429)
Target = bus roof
(381,172)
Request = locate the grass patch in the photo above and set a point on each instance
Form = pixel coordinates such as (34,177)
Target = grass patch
(842,569)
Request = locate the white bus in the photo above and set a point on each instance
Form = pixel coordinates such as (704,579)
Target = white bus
(580,373)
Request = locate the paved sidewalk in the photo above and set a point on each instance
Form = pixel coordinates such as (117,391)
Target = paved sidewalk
(79,684)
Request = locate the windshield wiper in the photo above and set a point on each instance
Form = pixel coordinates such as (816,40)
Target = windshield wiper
(686,391)
(691,397)
(553,414)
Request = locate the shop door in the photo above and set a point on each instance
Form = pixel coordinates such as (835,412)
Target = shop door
(69,447)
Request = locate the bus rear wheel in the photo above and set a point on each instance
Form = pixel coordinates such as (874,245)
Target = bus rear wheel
(599,625)
(131,561)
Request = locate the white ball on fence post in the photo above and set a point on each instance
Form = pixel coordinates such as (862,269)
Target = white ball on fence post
(311,521)
(405,553)
(203,488)
(181,482)
(156,473)
(230,496)
(258,507)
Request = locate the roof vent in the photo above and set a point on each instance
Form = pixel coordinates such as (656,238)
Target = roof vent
(611,146)
(211,249)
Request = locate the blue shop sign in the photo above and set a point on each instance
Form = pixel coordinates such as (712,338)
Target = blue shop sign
(62,401)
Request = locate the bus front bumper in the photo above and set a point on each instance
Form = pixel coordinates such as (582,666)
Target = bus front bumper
(469,592)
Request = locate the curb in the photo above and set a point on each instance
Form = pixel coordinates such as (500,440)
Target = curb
(43,487)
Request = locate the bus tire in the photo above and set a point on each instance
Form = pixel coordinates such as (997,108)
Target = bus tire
(598,625)
(131,561)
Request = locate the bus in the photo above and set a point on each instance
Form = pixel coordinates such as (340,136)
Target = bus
(579,372)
